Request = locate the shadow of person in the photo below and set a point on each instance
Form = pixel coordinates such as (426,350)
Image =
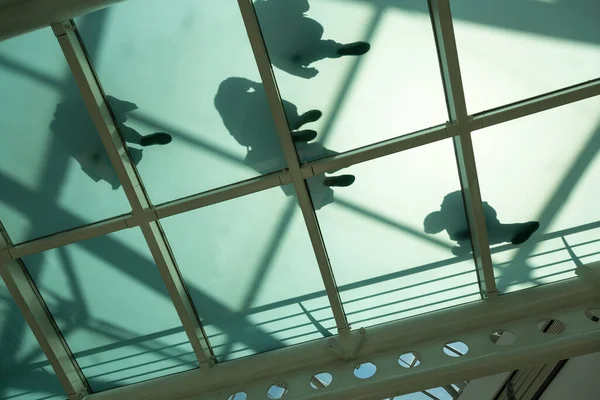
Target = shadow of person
(246,114)
(452,218)
(74,127)
(295,41)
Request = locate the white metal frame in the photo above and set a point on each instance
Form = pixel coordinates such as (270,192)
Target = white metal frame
(289,150)
(424,334)
(519,311)
(114,144)
(38,317)
(441,20)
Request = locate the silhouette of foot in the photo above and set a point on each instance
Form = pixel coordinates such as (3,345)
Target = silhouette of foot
(159,138)
(307,117)
(341,181)
(305,135)
(354,49)
(460,250)
(308,72)
(525,232)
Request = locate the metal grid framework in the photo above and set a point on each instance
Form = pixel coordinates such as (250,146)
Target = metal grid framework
(565,300)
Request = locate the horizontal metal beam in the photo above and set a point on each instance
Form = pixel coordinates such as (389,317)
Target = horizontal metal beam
(105,123)
(381,149)
(471,323)
(38,317)
(536,104)
(225,193)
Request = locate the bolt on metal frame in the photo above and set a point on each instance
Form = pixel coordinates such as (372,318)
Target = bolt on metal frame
(147,216)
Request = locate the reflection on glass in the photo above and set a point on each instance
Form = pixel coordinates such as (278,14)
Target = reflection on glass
(111,305)
(172,76)
(386,260)
(371,69)
(54,172)
(544,168)
(24,369)
(511,50)
(251,273)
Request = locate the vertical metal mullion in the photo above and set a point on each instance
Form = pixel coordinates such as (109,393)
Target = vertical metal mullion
(25,293)
(441,20)
(99,109)
(289,150)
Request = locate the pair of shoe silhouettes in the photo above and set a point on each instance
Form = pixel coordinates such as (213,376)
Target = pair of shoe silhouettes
(306,135)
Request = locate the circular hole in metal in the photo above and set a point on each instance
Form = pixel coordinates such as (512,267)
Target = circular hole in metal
(593,314)
(551,326)
(321,380)
(277,390)
(409,359)
(502,337)
(365,370)
(456,348)
(238,396)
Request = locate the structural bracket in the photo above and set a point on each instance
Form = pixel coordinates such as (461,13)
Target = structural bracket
(346,347)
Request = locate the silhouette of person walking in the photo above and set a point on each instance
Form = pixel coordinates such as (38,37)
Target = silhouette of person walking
(74,126)
(295,41)
(451,217)
(245,112)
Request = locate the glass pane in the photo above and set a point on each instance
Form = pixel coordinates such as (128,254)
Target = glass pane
(252,273)
(112,306)
(385,235)
(24,369)
(542,168)
(392,89)
(514,50)
(193,80)
(54,173)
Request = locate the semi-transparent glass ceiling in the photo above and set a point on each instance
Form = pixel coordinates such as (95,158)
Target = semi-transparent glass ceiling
(545,169)
(189,82)
(25,370)
(54,171)
(107,297)
(243,241)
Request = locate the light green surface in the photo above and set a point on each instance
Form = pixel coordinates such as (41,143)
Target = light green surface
(544,167)
(387,267)
(512,50)
(252,273)
(248,263)
(392,90)
(110,303)
(44,148)
(25,373)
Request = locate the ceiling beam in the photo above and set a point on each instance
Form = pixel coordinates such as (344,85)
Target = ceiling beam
(441,21)
(105,123)
(23,290)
